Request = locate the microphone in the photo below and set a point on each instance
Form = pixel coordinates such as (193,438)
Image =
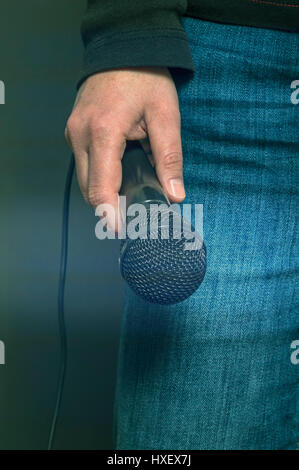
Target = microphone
(159,270)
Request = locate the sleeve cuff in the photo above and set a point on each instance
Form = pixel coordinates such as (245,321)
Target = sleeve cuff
(137,49)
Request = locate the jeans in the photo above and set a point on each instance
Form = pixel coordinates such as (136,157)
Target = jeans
(214,371)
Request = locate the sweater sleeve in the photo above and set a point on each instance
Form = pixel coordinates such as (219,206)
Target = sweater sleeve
(134,33)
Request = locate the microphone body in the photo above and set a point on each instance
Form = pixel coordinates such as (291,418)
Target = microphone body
(139,180)
(158,270)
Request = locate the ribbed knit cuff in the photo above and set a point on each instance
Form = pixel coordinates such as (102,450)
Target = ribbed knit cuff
(151,48)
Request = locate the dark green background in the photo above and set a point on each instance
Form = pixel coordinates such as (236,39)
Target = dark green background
(40,60)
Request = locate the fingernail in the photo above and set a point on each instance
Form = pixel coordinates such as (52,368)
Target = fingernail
(177,188)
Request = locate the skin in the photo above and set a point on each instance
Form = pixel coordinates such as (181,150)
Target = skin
(118,105)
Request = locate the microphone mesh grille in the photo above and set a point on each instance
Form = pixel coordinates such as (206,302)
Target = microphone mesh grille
(160,270)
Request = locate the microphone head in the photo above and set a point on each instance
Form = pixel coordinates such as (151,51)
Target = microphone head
(162,271)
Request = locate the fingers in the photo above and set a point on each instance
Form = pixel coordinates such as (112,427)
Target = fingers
(113,107)
(74,138)
(105,172)
(165,139)
(81,159)
(98,151)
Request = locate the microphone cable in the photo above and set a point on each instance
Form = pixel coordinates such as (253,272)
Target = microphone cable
(60,299)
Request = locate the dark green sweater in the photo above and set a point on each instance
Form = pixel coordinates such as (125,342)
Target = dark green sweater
(136,33)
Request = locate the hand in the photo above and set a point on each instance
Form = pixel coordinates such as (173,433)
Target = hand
(118,105)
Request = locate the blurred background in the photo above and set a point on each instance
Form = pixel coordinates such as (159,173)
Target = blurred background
(41,57)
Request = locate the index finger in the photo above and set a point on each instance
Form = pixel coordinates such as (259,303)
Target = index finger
(105,174)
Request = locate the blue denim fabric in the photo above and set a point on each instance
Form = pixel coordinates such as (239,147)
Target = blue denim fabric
(214,371)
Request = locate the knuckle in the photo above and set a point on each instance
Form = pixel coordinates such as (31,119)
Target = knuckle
(100,127)
(72,122)
(72,127)
(172,160)
(95,196)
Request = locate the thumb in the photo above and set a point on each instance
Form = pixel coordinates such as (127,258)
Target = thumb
(165,139)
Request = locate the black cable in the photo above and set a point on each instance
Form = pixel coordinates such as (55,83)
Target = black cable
(61,289)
